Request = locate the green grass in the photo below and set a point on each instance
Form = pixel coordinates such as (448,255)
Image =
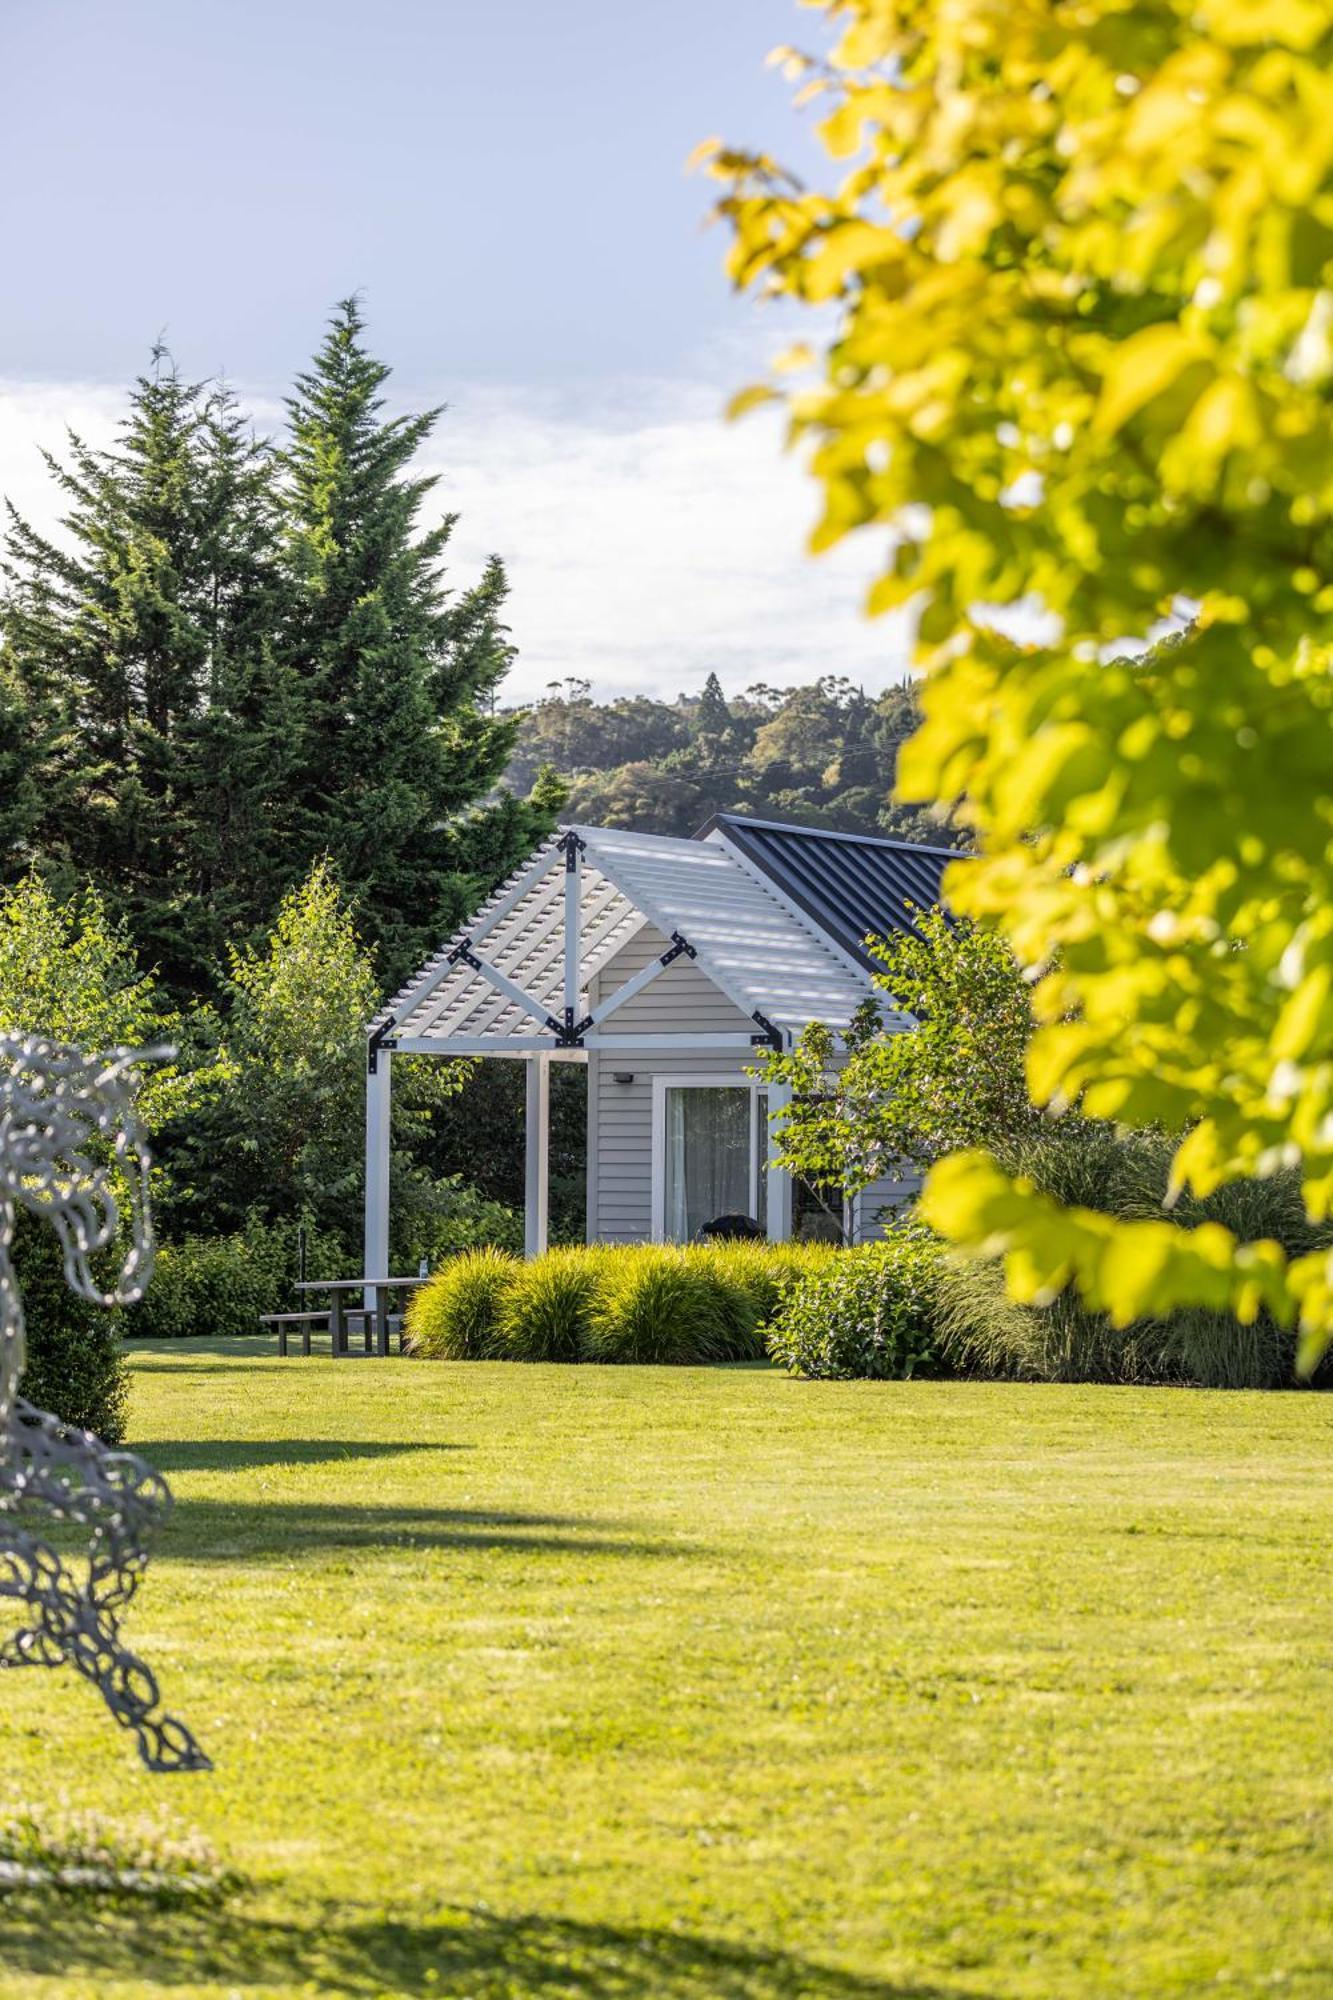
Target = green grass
(526,1683)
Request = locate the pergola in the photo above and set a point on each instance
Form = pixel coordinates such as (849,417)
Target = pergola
(516,983)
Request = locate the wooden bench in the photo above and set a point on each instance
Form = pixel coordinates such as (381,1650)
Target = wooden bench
(304,1320)
(324,1321)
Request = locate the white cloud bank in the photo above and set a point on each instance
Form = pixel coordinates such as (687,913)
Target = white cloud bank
(647,541)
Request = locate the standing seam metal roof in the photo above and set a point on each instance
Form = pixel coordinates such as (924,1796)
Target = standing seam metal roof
(852,885)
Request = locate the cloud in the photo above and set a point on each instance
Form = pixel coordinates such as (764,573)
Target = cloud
(647,541)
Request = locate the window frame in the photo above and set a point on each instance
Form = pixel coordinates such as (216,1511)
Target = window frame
(664,1081)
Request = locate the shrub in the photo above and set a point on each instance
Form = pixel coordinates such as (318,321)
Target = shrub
(656,1305)
(769,1270)
(762,1273)
(457,1315)
(436,1218)
(631,1302)
(221,1284)
(984,1332)
(75,1366)
(547,1309)
(869,1313)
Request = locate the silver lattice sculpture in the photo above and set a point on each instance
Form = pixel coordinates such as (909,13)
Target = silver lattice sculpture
(60,1109)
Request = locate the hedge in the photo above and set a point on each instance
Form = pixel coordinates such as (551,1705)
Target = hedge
(221,1284)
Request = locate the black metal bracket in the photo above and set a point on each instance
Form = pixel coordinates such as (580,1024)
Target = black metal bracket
(769,1037)
(570,845)
(680,947)
(462,954)
(384,1038)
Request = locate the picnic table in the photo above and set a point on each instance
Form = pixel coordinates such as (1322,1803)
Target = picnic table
(374,1317)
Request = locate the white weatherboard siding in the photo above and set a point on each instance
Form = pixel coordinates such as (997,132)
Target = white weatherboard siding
(620,1115)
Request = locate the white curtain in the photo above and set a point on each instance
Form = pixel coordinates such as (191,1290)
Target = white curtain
(708,1149)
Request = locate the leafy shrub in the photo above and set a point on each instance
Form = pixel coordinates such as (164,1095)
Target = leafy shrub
(221,1284)
(437,1218)
(75,1366)
(985,1333)
(547,1309)
(457,1316)
(658,1306)
(869,1313)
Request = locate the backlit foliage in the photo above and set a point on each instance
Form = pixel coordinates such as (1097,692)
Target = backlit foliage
(1080,255)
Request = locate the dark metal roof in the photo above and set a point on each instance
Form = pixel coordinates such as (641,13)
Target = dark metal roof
(853,885)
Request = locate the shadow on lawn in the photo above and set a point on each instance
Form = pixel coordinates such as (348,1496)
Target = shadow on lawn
(248,1454)
(216,1531)
(485,1957)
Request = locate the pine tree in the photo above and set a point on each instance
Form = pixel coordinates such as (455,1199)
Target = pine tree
(28,743)
(712,734)
(145,641)
(400,740)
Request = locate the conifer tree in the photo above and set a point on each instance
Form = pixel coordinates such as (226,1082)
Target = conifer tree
(399,739)
(145,642)
(27,756)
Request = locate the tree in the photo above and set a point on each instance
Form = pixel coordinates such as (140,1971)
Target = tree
(28,733)
(892,1100)
(398,741)
(822,755)
(67,971)
(1081,261)
(285,1140)
(712,736)
(141,649)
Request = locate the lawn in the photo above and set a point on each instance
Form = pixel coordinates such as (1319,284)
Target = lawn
(619,1682)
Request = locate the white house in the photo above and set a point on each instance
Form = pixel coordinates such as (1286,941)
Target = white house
(667,966)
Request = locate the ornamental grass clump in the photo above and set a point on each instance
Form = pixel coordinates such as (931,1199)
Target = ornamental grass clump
(1092,1168)
(457,1316)
(657,1306)
(547,1307)
(752,1279)
(869,1313)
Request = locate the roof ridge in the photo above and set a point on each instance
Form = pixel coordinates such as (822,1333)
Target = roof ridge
(725,819)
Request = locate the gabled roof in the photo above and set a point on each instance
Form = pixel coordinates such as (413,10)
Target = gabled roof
(850,885)
(764,956)
(768,958)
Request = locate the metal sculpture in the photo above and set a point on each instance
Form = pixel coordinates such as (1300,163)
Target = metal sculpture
(69,1136)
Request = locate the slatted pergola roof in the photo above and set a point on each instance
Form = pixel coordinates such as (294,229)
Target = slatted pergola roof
(517,980)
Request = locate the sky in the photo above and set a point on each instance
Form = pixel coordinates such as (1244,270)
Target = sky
(506,187)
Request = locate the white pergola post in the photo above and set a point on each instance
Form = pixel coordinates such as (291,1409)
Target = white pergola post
(779,1180)
(537,1155)
(573,925)
(379,1085)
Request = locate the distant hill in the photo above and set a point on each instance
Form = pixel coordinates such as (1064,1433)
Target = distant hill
(822,755)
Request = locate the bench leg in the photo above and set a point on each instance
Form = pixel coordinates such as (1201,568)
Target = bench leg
(338,1326)
(282,1340)
(305,1338)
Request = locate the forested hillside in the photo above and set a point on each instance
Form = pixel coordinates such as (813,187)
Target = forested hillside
(824,754)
